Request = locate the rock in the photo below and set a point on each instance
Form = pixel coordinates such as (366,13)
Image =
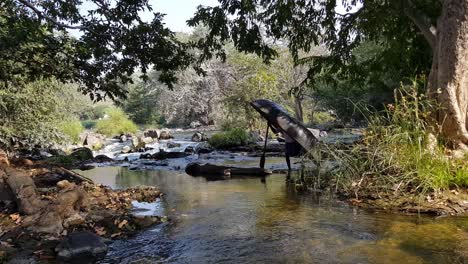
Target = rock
(93,140)
(195,124)
(123,138)
(7,199)
(82,154)
(147,140)
(22,162)
(153,133)
(146,221)
(161,155)
(173,145)
(126,149)
(199,137)
(23,189)
(189,149)
(138,143)
(196,169)
(102,158)
(323,133)
(203,148)
(165,135)
(74,220)
(64,184)
(57,152)
(81,247)
(4,159)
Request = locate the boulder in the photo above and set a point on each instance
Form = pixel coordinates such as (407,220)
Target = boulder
(147,140)
(126,149)
(165,135)
(102,158)
(123,138)
(81,247)
(93,140)
(153,133)
(195,124)
(199,137)
(82,154)
(203,148)
(137,143)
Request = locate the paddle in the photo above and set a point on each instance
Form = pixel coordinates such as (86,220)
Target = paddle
(262,159)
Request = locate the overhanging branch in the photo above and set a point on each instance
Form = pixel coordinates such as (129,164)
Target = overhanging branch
(50,19)
(422,22)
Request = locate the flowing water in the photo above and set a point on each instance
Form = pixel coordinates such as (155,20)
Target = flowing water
(245,220)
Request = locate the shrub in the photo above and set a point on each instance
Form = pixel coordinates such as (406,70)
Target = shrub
(72,130)
(232,138)
(398,154)
(89,124)
(116,122)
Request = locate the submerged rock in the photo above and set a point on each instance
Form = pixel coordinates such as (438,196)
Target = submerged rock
(81,247)
(173,145)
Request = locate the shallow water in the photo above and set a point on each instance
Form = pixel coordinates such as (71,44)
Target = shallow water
(246,221)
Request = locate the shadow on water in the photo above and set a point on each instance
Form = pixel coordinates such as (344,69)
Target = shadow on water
(246,221)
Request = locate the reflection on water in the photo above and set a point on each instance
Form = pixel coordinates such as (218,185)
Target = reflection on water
(246,221)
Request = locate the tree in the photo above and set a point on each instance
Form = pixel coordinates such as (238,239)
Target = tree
(114,41)
(407,24)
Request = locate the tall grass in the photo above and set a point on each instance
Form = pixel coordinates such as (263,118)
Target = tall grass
(232,138)
(399,152)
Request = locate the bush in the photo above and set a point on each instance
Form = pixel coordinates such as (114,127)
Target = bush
(232,138)
(89,124)
(116,122)
(72,130)
(398,154)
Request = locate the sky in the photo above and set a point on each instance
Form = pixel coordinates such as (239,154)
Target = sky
(178,11)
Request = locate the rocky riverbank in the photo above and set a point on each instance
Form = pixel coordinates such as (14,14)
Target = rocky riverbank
(50,213)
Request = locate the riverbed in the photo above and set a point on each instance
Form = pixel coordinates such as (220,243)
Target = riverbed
(247,220)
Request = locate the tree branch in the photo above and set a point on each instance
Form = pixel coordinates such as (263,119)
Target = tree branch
(422,22)
(54,21)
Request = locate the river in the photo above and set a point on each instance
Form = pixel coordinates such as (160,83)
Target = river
(245,220)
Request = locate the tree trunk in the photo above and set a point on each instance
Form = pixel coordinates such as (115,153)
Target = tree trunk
(298,108)
(448,80)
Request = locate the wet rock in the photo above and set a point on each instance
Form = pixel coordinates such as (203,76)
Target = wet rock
(189,149)
(161,155)
(102,158)
(7,199)
(165,135)
(173,145)
(147,140)
(126,149)
(57,152)
(153,133)
(146,221)
(81,247)
(196,169)
(137,143)
(123,138)
(203,148)
(82,154)
(199,137)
